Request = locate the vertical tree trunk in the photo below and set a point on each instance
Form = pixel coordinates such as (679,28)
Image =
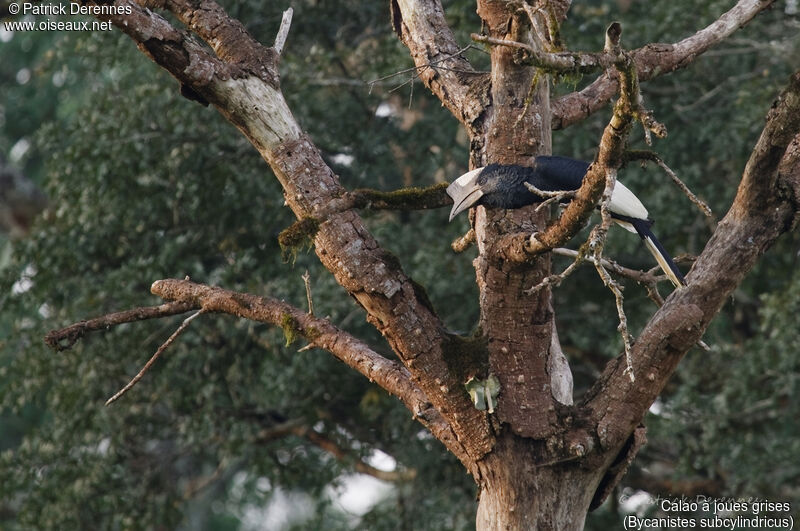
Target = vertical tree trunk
(519,326)
(516,491)
(518,495)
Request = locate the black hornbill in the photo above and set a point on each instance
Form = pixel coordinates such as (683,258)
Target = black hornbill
(503,186)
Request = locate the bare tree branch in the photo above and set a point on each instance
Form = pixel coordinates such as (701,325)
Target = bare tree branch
(558,62)
(654,60)
(343,454)
(597,240)
(307,282)
(65,338)
(184,325)
(242,82)
(283,31)
(520,247)
(298,428)
(642,277)
(186,296)
(767,205)
(390,375)
(653,157)
(422,27)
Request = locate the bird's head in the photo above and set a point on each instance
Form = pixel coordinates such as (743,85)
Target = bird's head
(494,185)
(465,191)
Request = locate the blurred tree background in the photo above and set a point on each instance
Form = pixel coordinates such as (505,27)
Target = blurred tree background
(229,429)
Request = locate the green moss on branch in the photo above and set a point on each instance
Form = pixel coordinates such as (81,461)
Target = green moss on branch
(291,329)
(412,198)
(300,234)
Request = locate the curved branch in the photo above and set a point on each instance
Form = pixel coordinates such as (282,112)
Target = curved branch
(330,446)
(185,296)
(65,338)
(299,428)
(422,27)
(654,60)
(246,91)
(767,205)
(321,333)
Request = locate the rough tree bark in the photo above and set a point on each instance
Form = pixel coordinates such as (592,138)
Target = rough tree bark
(540,461)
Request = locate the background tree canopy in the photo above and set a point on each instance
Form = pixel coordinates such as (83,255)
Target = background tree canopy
(144,184)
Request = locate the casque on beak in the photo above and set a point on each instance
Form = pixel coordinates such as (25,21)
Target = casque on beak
(465,192)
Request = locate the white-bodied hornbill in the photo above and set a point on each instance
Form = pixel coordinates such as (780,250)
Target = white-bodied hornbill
(503,186)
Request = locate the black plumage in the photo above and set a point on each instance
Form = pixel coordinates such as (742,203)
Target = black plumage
(503,186)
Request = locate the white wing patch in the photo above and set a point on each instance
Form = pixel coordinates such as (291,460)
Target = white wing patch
(625,202)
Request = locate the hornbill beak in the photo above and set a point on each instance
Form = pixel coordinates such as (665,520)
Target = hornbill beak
(465,192)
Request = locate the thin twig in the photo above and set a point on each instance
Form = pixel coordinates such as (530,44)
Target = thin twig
(555,193)
(432,64)
(155,356)
(343,454)
(299,428)
(196,485)
(283,31)
(654,157)
(65,338)
(556,279)
(552,197)
(596,244)
(616,289)
(307,281)
(547,202)
(702,205)
(644,277)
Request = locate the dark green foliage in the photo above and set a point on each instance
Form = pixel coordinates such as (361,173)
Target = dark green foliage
(146,185)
